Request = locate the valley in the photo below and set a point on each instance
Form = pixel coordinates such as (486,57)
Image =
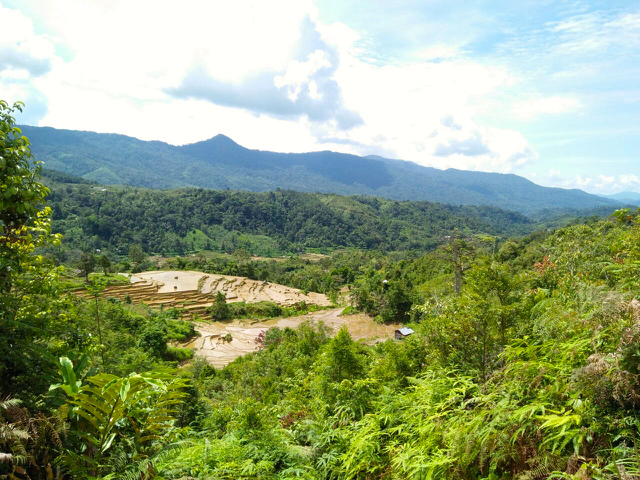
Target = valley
(204,334)
(319,240)
(192,293)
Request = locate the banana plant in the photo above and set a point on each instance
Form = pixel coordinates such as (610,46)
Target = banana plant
(133,412)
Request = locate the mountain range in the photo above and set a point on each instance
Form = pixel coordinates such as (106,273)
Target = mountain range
(220,163)
(630,198)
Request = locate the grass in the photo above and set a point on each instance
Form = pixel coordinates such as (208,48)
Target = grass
(179,354)
(180,330)
(266,309)
(71,281)
(349,310)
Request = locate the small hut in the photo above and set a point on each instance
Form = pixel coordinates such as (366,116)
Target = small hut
(403,333)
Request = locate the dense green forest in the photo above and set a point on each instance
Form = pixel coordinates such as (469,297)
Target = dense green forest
(220,163)
(530,371)
(180,221)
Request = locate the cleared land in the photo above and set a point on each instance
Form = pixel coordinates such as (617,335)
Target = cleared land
(192,292)
(219,352)
(237,289)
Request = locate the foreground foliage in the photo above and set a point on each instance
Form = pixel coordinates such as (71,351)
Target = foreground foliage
(531,372)
(118,424)
(103,425)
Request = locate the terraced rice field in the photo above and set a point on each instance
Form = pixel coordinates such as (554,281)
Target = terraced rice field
(192,292)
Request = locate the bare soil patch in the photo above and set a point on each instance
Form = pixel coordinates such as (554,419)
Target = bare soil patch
(192,292)
(236,289)
(212,346)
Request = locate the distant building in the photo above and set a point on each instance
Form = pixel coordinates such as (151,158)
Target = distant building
(403,333)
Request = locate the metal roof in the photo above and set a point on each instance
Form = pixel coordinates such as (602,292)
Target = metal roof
(406,331)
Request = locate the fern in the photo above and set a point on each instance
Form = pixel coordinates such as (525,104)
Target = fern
(141,406)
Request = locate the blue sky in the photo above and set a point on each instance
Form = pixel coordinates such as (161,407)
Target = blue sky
(547,90)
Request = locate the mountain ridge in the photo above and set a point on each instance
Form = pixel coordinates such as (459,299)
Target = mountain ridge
(628,197)
(221,163)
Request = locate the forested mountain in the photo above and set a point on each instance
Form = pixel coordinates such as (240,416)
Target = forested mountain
(269,223)
(630,198)
(220,163)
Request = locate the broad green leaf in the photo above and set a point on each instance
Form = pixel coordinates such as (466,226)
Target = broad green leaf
(69,375)
(124,389)
(107,444)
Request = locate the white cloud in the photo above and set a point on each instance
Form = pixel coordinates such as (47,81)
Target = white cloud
(530,109)
(424,112)
(298,74)
(605,179)
(479,148)
(269,75)
(24,56)
(596,31)
(583,181)
(575,38)
(12,74)
(22,52)
(306,88)
(438,52)
(602,184)
(630,181)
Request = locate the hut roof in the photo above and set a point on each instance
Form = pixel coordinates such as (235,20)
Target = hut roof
(405,331)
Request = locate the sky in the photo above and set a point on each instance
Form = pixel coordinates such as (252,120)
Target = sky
(549,90)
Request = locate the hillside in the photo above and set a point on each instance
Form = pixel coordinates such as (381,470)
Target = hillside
(220,163)
(630,198)
(270,223)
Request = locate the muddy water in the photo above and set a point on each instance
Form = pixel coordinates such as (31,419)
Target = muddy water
(218,352)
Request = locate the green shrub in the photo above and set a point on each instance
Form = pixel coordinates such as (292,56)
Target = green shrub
(268,309)
(220,310)
(180,330)
(350,310)
(178,354)
(154,338)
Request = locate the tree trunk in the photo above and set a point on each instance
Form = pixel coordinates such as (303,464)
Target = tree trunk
(100,332)
(457,266)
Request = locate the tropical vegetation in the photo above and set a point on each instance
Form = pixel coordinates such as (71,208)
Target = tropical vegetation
(524,363)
